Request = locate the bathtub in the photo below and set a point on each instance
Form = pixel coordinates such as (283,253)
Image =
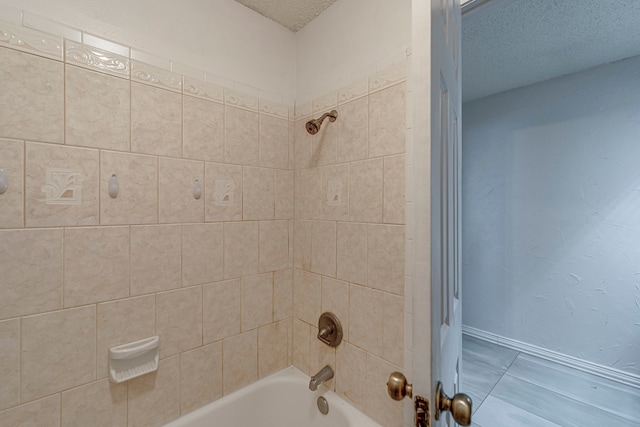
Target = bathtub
(280,400)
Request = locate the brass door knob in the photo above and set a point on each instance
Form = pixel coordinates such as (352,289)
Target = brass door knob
(459,406)
(397,386)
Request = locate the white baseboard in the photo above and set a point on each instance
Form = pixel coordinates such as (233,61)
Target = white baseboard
(572,362)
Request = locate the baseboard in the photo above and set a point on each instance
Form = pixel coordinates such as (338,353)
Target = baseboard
(563,359)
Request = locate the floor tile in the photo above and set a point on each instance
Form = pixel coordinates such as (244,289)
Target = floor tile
(554,407)
(498,413)
(483,364)
(592,390)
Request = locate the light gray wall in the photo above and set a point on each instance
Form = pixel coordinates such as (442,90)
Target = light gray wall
(551,215)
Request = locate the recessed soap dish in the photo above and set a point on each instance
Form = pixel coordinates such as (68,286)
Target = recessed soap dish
(134,359)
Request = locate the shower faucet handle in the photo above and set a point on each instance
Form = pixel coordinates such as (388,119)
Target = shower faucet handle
(329,329)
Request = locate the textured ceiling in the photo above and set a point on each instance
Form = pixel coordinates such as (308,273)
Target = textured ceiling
(293,14)
(512,43)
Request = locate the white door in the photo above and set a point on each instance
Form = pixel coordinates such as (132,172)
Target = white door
(437,328)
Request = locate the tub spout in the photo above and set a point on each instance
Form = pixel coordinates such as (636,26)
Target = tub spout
(323,375)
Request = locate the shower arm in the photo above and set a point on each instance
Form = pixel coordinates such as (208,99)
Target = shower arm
(331,114)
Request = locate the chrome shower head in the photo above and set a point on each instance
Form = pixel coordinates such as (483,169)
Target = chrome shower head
(313,126)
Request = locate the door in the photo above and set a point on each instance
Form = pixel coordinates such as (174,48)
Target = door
(437,313)
(446,318)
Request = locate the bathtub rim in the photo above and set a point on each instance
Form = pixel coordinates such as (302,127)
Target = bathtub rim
(355,417)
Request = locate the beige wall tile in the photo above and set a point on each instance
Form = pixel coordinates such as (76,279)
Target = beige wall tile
(35,96)
(154,399)
(96,265)
(393,330)
(41,413)
(155,258)
(274,142)
(61,185)
(97,110)
(201,377)
(272,348)
(385,256)
(179,320)
(385,411)
(12,165)
(324,145)
(366,309)
(292,143)
(394,190)
(9,363)
(221,310)
(302,145)
(309,194)
(335,193)
(282,294)
(307,295)
(241,136)
(122,322)
(240,361)
(353,138)
(203,135)
(284,208)
(387,121)
(156,121)
(323,248)
(223,190)
(301,334)
(258,193)
(302,245)
(351,369)
(365,191)
(202,254)
(335,299)
(274,245)
(28,290)
(137,199)
(58,351)
(240,249)
(352,252)
(176,181)
(257,301)
(321,355)
(99,404)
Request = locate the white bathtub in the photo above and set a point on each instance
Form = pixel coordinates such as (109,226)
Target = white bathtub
(280,400)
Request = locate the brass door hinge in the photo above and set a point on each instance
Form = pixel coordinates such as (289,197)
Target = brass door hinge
(423,417)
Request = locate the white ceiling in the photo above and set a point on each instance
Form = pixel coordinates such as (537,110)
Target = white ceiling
(512,43)
(293,14)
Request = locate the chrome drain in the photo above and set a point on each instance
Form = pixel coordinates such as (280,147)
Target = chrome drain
(323,405)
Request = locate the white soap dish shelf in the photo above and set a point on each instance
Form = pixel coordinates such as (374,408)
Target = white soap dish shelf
(134,359)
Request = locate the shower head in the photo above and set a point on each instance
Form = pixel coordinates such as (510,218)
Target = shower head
(313,126)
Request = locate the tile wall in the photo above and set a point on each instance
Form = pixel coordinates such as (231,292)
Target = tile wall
(214,276)
(81,271)
(350,238)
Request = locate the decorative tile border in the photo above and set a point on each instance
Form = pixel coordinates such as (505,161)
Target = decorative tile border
(240,100)
(326,102)
(154,76)
(96,59)
(353,91)
(388,77)
(207,91)
(303,111)
(273,109)
(30,41)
